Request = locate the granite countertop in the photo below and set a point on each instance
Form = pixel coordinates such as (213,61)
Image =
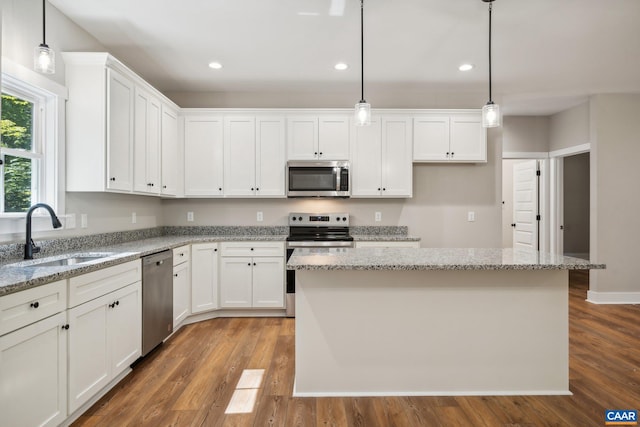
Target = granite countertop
(384,238)
(432,259)
(17,275)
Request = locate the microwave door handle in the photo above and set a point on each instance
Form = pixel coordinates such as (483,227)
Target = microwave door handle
(336,172)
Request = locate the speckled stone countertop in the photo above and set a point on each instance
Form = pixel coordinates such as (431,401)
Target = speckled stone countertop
(432,259)
(366,233)
(17,275)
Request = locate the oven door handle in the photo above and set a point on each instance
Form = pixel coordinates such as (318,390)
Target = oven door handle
(320,244)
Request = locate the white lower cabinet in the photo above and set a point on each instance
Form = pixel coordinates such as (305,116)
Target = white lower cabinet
(251,276)
(33,374)
(181,284)
(104,339)
(204,277)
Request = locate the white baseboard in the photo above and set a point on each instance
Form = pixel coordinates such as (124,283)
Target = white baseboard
(436,393)
(613,297)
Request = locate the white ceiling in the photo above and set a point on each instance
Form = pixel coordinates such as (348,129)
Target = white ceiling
(548,55)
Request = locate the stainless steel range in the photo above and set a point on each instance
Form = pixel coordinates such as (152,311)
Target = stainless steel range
(314,230)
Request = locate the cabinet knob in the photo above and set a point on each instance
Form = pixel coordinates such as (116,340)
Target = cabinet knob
(251,188)
(113,178)
(175,275)
(117,302)
(254,263)
(452,153)
(447,154)
(219,188)
(164,186)
(379,188)
(35,304)
(321,153)
(251,248)
(249,264)
(513,225)
(257,188)
(315,153)
(215,250)
(65,327)
(384,189)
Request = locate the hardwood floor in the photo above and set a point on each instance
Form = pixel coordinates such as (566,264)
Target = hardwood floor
(192,377)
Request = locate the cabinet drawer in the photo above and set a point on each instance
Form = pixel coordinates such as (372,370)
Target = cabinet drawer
(97,283)
(181,254)
(25,307)
(252,249)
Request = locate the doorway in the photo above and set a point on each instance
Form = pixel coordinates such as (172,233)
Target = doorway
(575,206)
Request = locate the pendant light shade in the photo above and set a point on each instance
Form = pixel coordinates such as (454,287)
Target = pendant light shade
(491,111)
(363,108)
(44,58)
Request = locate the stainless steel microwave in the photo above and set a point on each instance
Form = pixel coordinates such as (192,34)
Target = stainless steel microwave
(318,179)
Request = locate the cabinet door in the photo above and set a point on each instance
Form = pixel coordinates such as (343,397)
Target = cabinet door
(120,92)
(302,138)
(268,282)
(235,282)
(468,138)
(333,137)
(204,277)
(366,165)
(239,156)
(88,351)
(431,138)
(33,374)
(146,143)
(397,165)
(124,327)
(181,293)
(203,159)
(270,156)
(170,164)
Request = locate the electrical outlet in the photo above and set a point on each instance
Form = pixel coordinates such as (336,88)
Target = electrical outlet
(134,218)
(190,216)
(378,216)
(260,217)
(84,221)
(471,216)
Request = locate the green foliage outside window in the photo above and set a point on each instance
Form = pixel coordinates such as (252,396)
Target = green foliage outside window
(16,126)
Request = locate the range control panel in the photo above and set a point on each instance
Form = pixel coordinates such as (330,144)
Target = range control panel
(319,219)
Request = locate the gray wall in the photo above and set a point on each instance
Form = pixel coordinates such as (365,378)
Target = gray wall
(525,134)
(569,128)
(576,205)
(615,150)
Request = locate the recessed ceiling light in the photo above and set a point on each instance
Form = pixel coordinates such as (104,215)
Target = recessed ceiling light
(215,65)
(341,66)
(465,67)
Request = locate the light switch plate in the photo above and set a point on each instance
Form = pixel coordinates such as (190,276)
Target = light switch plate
(190,216)
(84,221)
(471,216)
(378,216)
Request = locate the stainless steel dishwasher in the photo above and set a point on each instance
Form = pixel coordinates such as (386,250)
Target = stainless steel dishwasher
(157,299)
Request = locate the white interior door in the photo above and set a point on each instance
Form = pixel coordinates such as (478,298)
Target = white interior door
(525,205)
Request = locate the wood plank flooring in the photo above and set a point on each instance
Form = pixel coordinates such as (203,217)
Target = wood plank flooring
(189,380)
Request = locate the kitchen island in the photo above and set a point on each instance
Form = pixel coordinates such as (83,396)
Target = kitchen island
(387,321)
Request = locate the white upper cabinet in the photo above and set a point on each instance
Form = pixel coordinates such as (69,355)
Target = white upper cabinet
(113,131)
(254,152)
(449,137)
(270,156)
(381,154)
(146,143)
(239,156)
(203,158)
(170,162)
(318,137)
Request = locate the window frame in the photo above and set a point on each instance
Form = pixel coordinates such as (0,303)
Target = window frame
(22,81)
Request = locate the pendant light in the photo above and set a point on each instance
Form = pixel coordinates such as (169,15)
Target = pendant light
(491,111)
(363,109)
(44,58)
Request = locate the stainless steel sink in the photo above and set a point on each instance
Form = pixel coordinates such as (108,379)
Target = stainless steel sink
(69,261)
(63,261)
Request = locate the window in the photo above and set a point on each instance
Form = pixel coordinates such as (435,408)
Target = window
(31,144)
(21,151)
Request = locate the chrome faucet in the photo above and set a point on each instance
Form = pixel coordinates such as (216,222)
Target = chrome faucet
(30,247)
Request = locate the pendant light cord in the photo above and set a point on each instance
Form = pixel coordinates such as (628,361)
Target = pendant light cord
(362,51)
(44,39)
(490,97)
